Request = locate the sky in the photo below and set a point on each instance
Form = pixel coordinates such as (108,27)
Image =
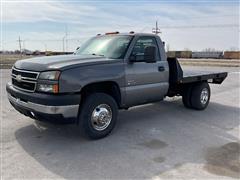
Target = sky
(64,25)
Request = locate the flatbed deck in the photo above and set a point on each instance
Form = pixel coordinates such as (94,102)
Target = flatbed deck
(179,76)
(190,76)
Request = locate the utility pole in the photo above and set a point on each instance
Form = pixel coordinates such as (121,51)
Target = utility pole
(23,41)
(63,43)
(20,46)
(65,39)
(66,34)
(156,30)
(45,45)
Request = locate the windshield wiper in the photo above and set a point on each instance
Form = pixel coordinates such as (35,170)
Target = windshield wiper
(94,54)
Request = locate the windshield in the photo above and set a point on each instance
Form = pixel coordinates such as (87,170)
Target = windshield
(109,46)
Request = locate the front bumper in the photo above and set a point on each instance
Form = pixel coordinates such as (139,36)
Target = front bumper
(44,106)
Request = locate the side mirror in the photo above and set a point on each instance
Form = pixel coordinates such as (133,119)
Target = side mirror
(77,48)
(150,54)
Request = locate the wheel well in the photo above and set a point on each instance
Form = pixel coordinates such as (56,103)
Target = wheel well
(110,88)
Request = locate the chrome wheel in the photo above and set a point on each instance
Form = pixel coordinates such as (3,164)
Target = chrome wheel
(204,96)
(101,117)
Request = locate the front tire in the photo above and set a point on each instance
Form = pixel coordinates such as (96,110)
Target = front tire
(98,115)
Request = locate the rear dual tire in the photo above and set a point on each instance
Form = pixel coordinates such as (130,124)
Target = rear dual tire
(196,96)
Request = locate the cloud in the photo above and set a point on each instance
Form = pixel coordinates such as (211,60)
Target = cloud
(87,19)
(42,11)
(80,13)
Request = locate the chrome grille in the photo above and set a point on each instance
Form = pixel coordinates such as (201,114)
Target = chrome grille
(24,80)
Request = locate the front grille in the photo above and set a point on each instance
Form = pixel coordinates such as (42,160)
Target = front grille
(24,80)
(26,74)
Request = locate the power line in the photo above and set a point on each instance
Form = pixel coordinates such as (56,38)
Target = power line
(204,17)
(201,26)
(44,39)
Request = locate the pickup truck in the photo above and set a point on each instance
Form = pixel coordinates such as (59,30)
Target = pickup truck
(108,72)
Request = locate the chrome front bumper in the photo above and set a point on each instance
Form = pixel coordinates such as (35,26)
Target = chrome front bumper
(66,111)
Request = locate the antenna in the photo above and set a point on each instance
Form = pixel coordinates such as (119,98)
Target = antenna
(156,30)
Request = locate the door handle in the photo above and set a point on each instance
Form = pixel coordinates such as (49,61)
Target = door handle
(161,68)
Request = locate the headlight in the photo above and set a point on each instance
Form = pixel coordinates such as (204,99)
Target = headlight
(48,82)
(50,75)
(51,88)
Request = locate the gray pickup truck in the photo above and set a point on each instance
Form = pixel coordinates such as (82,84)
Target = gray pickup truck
(109,72)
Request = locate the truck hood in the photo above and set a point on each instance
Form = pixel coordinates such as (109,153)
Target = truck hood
(61,62)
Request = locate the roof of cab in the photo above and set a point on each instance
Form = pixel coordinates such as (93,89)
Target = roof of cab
(128,34)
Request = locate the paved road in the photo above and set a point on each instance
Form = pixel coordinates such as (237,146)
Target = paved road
(154,141)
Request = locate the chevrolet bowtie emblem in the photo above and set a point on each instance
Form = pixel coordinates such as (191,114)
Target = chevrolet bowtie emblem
(19,78)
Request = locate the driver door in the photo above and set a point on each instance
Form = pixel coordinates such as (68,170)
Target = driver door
(145,82)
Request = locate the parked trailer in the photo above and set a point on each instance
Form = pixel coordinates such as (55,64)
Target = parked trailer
(231,55)
(203,54)
(186,54)
(179,54)
(171,54)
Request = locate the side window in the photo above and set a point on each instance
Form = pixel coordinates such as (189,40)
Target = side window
(140,46)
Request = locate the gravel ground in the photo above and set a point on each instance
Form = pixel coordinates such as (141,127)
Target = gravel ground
(154,141)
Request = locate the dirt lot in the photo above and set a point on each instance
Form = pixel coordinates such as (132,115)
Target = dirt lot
(156,141)
(6,61)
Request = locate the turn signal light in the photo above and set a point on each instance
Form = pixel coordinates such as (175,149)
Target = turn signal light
(55,88)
